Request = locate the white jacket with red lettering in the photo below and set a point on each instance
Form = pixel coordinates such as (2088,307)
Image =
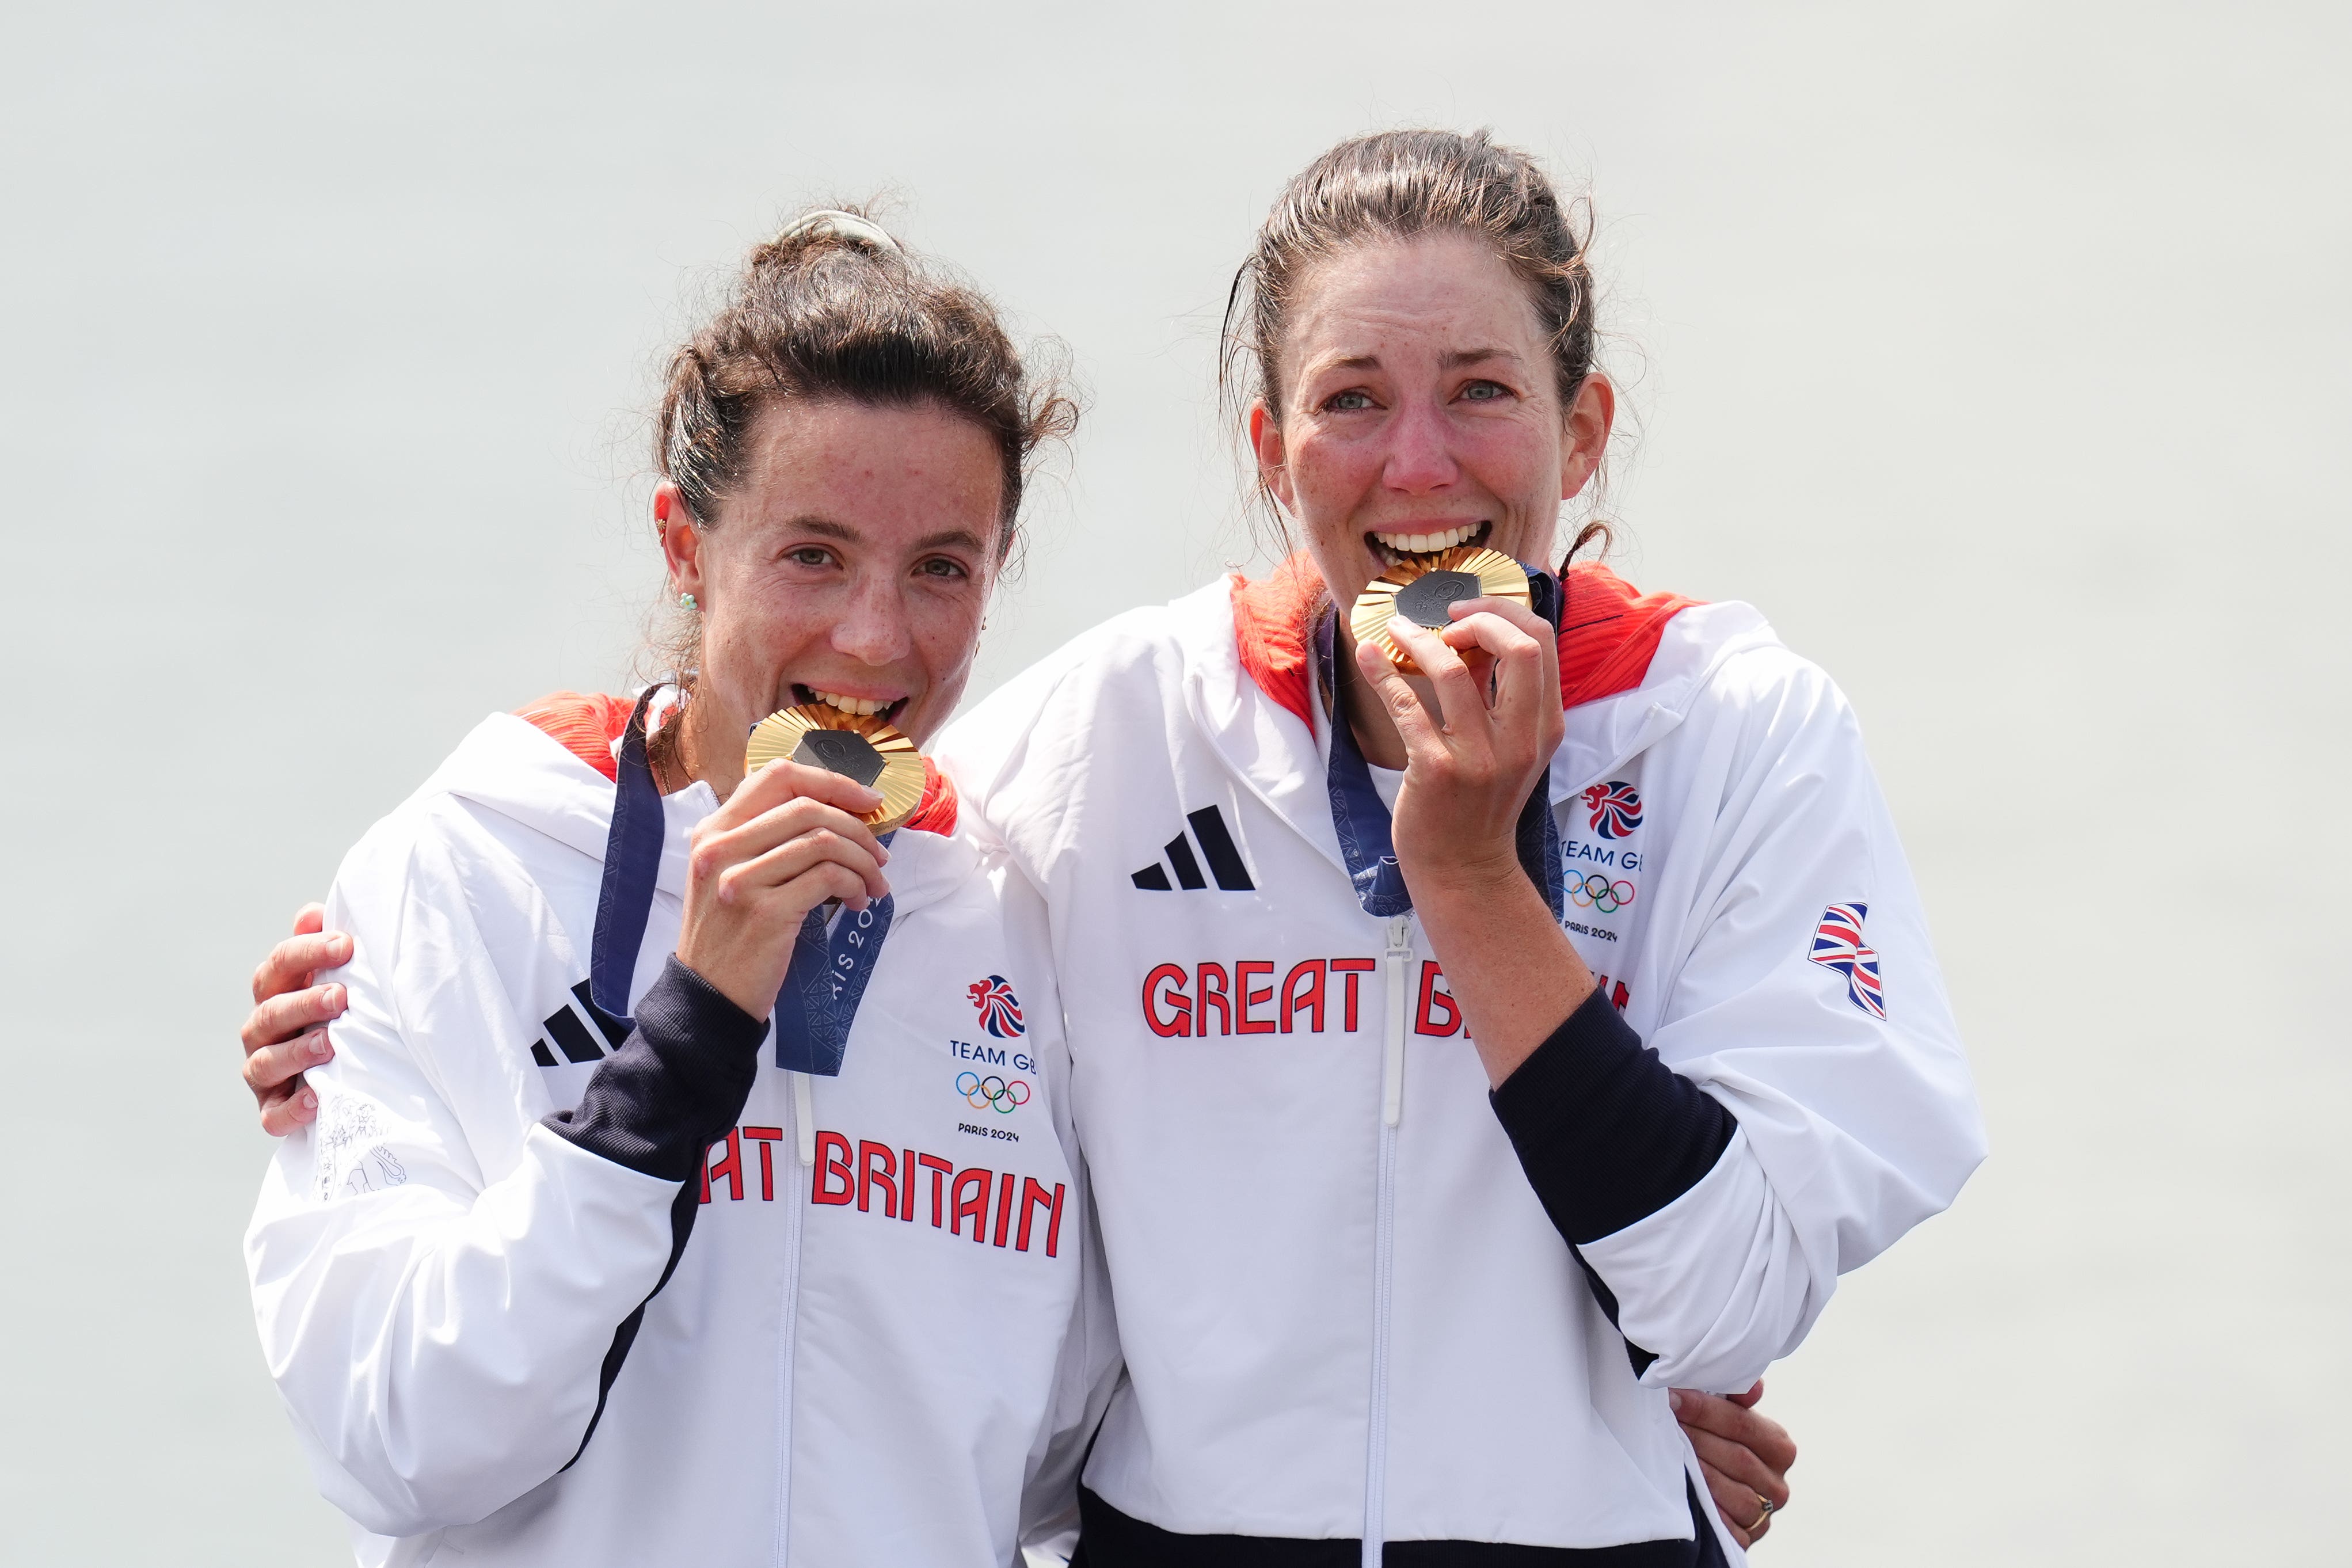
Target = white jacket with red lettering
(1359,1299)
(518,1313)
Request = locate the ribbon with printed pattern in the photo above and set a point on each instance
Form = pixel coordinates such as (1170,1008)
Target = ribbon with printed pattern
(825,983)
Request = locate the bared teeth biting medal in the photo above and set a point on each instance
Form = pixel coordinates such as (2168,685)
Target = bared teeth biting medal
(859,747)
(1423,589)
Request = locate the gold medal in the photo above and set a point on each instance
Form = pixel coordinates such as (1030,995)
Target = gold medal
(1422,590)
(859,747)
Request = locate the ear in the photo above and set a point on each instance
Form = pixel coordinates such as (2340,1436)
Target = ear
(1585,440)
(681,542)
(1273,456)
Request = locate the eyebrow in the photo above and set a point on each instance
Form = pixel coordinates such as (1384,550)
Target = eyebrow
(945,537)
(826,528)
(1452,361)
(1455,360)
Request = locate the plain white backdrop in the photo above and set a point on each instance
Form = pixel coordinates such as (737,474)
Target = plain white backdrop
(1998,353)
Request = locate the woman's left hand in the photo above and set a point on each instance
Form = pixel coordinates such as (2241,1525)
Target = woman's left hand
(1746,1455)
(1471,763)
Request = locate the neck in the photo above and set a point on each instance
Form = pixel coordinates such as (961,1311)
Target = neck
(704,753)
(1366,716)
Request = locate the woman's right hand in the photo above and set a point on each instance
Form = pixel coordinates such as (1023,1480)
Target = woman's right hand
(787,840)
(287,1030)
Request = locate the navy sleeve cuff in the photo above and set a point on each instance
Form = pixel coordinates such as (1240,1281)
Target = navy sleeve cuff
(677,1084)
(1607,1134)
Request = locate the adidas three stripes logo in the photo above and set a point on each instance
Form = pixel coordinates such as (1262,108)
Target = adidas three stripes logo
(572,1036)
(1216,847)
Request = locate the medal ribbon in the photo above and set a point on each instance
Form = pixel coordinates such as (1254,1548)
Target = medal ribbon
(631,861)
(825,983)
(1362,820)
(828,973)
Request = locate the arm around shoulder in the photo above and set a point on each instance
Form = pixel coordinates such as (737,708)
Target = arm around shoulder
(435,1278)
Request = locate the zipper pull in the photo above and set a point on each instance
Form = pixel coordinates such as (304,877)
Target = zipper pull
(804,1119)
(1400,957)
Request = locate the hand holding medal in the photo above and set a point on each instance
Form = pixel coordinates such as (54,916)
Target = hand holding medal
(791,839)
(1475,752)
(821,988)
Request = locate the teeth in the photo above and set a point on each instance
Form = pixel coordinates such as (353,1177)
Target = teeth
(861,706)
(1425,543)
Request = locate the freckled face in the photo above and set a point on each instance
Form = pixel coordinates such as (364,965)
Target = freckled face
(1420,410)
(851,562)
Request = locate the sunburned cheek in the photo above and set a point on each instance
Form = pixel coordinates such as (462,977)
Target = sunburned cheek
(1328,470)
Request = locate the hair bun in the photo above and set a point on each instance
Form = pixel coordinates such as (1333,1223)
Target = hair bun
(834,223)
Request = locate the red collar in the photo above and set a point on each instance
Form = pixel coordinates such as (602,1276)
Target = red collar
(586,725)
(1609,633)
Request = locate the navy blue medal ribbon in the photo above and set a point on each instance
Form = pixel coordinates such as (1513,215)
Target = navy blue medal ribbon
(1358,812)
(1362,818)
(829,970)
(632,862)
(825,983)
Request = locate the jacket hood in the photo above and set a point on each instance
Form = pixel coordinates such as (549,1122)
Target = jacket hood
(551,764)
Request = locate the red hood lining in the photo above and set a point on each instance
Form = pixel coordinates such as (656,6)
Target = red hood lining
(1609,632)
(586,725)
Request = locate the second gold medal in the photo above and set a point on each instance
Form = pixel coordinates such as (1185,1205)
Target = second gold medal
(1423,591)
(859,747)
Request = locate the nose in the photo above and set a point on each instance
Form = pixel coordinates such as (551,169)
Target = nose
(873,630)
(1420,456)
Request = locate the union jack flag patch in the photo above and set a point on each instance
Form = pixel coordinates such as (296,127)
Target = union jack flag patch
(1837,943)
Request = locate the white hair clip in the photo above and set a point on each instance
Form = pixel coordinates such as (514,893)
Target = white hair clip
(849,225)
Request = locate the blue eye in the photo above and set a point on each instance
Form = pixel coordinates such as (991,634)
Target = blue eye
(1348,402)
(1484,391)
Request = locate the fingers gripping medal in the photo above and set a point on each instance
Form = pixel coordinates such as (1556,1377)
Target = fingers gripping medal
(859,747)
(1422,590)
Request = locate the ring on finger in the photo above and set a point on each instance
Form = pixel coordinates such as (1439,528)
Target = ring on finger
(1764,1512)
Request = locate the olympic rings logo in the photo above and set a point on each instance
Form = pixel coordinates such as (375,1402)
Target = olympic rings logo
(1598,892)
(994,1093)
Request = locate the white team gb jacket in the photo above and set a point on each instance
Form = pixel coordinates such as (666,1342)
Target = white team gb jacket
(829,1338)
(1345,1308)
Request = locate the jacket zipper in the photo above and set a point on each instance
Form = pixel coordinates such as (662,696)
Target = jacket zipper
(1376,1455)
(803,1123)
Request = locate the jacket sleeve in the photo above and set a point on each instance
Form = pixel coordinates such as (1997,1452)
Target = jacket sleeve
(444,1287)
(1843,1110)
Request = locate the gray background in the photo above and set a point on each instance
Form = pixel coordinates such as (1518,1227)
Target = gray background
(1998,353)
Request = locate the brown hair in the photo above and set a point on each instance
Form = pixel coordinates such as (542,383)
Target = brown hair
(829,308)
(833,308)
(1398,185)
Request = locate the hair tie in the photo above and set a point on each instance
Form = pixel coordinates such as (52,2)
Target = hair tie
(848,226)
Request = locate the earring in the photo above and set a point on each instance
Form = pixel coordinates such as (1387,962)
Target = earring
(686,603)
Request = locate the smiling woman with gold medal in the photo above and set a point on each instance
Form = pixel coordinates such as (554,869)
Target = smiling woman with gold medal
(1421,1187)
(1426,1194)
(642,1219)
